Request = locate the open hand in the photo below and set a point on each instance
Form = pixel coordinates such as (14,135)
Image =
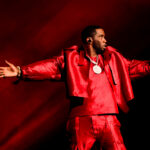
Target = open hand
(10,71)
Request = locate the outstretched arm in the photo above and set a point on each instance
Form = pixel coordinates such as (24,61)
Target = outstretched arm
(45,69)
(138,68)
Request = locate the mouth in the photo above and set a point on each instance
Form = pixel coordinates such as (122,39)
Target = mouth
(105,45)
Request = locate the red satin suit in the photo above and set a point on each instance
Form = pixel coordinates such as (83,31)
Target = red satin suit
(97,95)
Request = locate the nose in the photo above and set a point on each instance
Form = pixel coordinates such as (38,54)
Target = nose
(105,41)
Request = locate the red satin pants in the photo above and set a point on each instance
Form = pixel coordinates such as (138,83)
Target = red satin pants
(85,131)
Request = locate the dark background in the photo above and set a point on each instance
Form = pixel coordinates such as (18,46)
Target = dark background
(33,114)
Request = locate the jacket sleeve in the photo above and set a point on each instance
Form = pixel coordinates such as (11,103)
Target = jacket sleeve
(135,68)
(138,68)
(45,69)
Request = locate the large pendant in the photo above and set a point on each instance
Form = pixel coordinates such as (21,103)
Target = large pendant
(97,69)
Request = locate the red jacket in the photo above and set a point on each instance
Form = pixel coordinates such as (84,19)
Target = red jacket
(75,65)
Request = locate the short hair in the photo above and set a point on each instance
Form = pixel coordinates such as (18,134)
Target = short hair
(89,31)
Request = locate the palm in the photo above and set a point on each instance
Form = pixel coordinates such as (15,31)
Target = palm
(10,71)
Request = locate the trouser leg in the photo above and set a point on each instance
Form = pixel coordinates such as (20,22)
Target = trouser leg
(112,138)
(81,132)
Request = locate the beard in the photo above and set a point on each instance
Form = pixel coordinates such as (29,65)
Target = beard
(97,46)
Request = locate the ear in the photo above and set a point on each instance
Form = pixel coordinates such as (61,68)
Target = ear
(89,40)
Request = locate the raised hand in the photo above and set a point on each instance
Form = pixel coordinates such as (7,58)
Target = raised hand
(10,71)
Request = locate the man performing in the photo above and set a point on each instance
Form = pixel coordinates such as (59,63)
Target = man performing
(98,80)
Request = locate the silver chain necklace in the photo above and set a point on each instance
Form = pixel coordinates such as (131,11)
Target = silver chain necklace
(96,68)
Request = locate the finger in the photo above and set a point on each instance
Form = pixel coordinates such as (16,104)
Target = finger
(7,62)
(10,64)
(2,68)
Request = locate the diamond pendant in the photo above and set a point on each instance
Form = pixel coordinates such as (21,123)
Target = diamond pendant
(97,69)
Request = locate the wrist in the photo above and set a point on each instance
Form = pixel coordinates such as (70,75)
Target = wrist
(18,71)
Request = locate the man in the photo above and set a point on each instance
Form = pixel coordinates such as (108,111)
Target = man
(98,81)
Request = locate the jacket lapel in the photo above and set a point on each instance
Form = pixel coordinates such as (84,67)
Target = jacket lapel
(81,58)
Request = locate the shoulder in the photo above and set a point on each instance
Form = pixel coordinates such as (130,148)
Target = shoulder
(111,50)
(71,48)
(71,51)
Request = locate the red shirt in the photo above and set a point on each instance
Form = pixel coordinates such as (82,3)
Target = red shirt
(101,98)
